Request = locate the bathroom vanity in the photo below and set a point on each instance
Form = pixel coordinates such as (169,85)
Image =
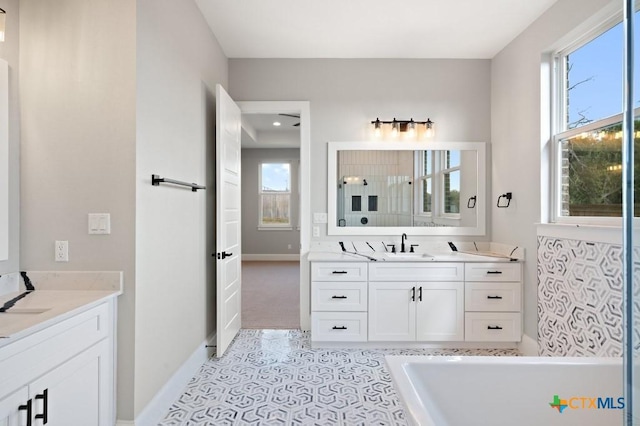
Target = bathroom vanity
(450,299)
(57,351)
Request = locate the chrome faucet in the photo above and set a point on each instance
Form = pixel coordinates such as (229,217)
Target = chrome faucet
(404,237)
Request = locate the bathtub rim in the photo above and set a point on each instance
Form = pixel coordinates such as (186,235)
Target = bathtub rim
(418,414)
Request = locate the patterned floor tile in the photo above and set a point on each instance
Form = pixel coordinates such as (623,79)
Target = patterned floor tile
(273,377)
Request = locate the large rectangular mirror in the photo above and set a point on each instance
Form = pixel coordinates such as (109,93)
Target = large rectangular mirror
(422,188)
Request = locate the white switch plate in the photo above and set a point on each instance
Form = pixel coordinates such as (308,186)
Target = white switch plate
(99,223)
(61,253)
(319,218)
(316,231)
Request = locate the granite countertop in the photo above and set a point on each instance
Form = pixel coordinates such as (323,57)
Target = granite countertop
(57,296)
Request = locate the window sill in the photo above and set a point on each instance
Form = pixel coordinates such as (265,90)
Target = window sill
(275,228)
(593,233)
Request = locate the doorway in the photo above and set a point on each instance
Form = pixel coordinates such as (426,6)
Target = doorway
(274,186)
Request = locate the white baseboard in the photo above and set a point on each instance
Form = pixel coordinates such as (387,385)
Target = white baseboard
(171,391)
(271,257)
(528,346)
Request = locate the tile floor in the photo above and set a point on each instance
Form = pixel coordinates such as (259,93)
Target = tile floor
(273,377)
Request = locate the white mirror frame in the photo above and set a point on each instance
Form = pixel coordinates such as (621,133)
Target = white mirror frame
(332,172)
(4,160)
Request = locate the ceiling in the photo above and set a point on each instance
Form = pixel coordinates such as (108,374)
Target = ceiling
(258,131)
(368,28)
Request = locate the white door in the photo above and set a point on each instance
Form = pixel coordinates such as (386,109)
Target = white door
(228,250)
(440,312)
(392,311)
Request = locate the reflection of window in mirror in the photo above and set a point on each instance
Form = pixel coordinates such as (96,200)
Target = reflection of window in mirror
(438,183)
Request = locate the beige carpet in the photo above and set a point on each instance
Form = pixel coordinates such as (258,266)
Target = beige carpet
(271,295)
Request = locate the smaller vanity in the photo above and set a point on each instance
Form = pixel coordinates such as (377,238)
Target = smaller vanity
(57,348)
(439,298)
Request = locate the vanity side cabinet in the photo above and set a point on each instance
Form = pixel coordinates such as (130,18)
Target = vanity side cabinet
(493,302)
(416,301)
(339,302)
(63,374)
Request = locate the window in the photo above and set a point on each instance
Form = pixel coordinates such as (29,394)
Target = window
(275,195)
(438,183)
(588,129)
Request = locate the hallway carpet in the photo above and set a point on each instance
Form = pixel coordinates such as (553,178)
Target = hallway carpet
(270,295)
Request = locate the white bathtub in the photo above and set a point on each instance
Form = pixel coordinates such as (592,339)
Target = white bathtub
(509,391)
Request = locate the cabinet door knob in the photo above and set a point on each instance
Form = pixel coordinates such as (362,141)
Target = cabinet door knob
(44,396)
(28,407)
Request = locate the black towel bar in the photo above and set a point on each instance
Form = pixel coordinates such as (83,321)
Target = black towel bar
(157,180)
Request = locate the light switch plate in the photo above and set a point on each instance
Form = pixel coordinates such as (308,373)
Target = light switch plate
(99,223)
(319,218)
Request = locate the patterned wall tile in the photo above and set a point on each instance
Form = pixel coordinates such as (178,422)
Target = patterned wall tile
(579,298)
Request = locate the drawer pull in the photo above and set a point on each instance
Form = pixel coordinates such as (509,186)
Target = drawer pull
(28,408)
(494,327)
(494,297)
(335,327)
(339,272)
(338,297)
(413,294)
(494,272)
(44,396)
(420,294)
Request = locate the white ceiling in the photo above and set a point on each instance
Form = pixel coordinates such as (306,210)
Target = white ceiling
(368,28)
(258,131)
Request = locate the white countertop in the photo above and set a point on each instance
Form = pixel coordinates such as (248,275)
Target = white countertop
(453,256)
(56,297)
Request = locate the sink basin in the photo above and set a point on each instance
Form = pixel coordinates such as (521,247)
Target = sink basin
(416,256)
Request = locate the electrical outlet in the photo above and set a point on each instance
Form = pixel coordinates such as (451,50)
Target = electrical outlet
(62,251)
(289,246)
(316,231)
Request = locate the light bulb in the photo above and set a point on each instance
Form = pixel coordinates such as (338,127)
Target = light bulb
(395,128)
(428,130)
(411,129)
(377,128)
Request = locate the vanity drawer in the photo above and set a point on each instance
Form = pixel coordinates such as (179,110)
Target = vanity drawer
(342,296)
(492,327)
(339,326)
(339,271)
(498,271)
(416,271)
(492,297)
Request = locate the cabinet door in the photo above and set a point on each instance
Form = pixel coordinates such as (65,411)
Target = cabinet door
(392,312)
(440,311)
(10,415)
(75,391)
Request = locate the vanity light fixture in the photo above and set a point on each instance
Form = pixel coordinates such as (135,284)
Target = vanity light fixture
(3,16)
(408,129)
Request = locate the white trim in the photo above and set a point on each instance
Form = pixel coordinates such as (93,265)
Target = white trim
(528,346)
(275,228)
(271,257)
(304,108)
(174,387)
(414,345)
(596,234)
(125,423)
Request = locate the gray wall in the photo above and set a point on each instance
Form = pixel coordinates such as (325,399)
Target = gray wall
(268,242)
(346,94)
(520,128)
(9,51)
(179,62)
(77,98)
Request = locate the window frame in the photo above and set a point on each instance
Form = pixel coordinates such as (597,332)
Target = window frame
(274,226)
(438,170)
(559,129)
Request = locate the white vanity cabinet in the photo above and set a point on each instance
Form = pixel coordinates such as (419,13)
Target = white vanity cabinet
(423,303)
(61,375)
(493,302)
(339,301)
